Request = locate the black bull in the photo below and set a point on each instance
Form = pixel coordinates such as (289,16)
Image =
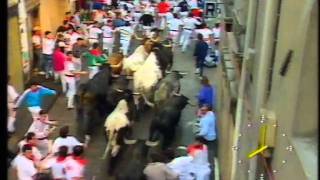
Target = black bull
(166,119)
(97,98)
(164,56)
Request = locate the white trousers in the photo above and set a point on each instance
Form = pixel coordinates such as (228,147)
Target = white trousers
(34,111)
(92,71)
(125,46)
(174,35)
(108,44)
(184,14)
(71,81)
(60,75)
(185,39)
(11,118)
(162,25)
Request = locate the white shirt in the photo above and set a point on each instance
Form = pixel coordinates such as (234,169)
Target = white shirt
(73,38)
(24,166)
(182,166)
(12,94)
(58,169)
(206,33)
(190,23)
(69,141)
(126,32)
(94,32)
(216,32)
(107,31)
(74,168)
(169,16)
(35,151)
(174,24)
(48,46)
(36,40)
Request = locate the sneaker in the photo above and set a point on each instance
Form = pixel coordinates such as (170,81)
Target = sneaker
(197,71)
(41,73)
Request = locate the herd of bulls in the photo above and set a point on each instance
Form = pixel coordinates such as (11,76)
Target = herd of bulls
(108,98)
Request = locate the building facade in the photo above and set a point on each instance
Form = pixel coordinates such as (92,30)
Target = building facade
(269,90)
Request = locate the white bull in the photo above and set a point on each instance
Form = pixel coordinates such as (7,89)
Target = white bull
(114,122)
(146,77)
(135,60)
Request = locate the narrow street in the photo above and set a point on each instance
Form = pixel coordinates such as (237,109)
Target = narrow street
(190,85)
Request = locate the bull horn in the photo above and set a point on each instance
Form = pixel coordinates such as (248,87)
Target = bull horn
(177,94)
(135,93)
(118,90)
(191,104)
(183,73)
(127,141)
(152,144)
(168,72)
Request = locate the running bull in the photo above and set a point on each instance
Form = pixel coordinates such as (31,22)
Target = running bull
(166,119)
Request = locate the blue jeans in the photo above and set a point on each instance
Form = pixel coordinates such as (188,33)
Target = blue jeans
(46,63)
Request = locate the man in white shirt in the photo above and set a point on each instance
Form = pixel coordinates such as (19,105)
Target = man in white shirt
(216,34)
(189,24)
(23,164)
(65,140)
(94,32)
(206,33)
(174,26)
(31,139)
(36,42)
(126,33)
(48,45)
(42,128)
(75,165)
(108,37)
(75,35)
(11,99)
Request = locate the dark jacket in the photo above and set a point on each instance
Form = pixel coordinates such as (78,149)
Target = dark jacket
(201,50)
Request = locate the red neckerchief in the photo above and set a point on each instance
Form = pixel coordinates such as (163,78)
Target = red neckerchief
(80,160)
(60,159)
(194,148)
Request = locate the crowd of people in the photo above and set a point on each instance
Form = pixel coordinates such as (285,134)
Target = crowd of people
(81,44)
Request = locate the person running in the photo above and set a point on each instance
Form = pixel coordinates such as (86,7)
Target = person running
(189,25)
(94,32)
(174,25)
(108,37)
(65,140)
(126,34)
(33,98)
(42,127)
(163,9)
(59,58)
(58,166)
(31,140)
(76,164)
(24,165)
(206,94)
(11,100)
(48,45)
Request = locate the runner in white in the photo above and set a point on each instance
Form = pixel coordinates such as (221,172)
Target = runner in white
(174,26)
(94,32)
(107,37)
(12,99)
(64,140)
(189,25)
(126,33)
(42,128)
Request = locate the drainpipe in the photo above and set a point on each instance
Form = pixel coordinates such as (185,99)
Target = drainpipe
(240,102)
(267,43)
